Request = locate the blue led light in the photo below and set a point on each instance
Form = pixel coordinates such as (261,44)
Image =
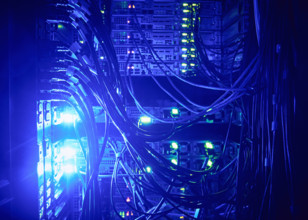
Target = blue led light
(69,168)
(68,117)
(68,152)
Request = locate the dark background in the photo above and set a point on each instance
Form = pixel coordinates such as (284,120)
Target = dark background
(18,150)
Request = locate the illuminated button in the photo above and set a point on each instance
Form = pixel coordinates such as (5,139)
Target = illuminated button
(208,145)
(174,161)
(174,145)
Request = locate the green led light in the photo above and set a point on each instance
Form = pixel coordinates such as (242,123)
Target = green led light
(192,40)
(183,71)
(184,64)
(185,11)
(145,120)
(192,49)
(209,163)
(185,4)
(148,169)
(192,64)
(184,19)
(208,145)
(82,42)
(184,41)
(182,189)
(184,49)
(174,161)
(184,34)
(184,25)
(184,55)
(175,111)
(174,145)
(194,4)
(102,11)
(193,55)
(60,26)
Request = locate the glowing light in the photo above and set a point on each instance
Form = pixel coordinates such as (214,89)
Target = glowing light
(68,152)
(209,163)
(69,168)
(129,6)
(40,169)
(183,71)
(184,25)
(68,117)
(182,189)
(184,64)
(127,199)
(184,19)
(184,49)
(102,11)
(60,26)
(128,21)
(148,169)
(185,11)
(184,34)
(174,161)
(101,57)
(184,41)
(127,213)
(192,49)
(82,42)
(122,214)
(181,217)
(193,55)
(128,36)
(194,4)
(208,145)
(174,145)
(192,64)
(185,4)
(175,111)
(184,55)
(145,120)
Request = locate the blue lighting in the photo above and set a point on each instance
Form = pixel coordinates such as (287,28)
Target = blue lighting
(68,152)
(68,117)
(69,168)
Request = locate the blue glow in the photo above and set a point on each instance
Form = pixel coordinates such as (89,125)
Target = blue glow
(40,169)
(68,117)
(68,152)
(69,169)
